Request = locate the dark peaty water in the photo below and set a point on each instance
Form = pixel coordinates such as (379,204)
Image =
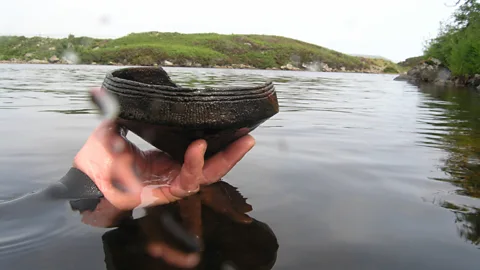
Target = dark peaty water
(356,172)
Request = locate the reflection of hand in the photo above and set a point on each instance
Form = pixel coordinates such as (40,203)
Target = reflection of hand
(225,199)
(161,244)
(151,177)
(220,197)
(105,215)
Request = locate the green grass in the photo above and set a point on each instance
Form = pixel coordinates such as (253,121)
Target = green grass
(411,62)
(205,49)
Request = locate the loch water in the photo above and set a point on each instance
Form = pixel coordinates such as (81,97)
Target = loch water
(356,171)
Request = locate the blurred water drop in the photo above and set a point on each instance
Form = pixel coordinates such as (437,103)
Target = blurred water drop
(71,57)
(104,19)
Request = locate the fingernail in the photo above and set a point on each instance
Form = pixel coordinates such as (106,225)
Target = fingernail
(192,190)
(204,147)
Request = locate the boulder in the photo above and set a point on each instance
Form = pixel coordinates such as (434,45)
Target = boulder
(53,59)
(402,77)
(474,80)
(430,71)
(38,61)
(167,63)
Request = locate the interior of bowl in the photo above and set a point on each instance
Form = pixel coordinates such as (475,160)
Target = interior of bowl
(146,75)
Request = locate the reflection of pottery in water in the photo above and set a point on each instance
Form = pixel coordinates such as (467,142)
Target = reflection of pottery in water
(170,117)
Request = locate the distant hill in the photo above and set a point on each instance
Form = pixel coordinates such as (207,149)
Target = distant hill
(201,50)
(371,56)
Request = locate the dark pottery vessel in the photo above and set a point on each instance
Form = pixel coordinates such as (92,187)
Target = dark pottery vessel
(170,117)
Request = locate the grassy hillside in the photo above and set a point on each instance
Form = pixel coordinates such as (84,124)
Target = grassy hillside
(411,62)
(207,50)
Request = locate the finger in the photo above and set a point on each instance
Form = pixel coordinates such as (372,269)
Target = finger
(172,256)
(191,174)
(123,187)
(221,163)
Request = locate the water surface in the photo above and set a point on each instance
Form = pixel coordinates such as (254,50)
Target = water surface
(357,171)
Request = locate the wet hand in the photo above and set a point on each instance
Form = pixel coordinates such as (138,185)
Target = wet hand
(129,177)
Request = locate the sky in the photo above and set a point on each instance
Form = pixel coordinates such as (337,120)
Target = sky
(392,29)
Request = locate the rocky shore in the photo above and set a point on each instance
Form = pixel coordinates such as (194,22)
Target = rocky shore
(319,67)
(433,71)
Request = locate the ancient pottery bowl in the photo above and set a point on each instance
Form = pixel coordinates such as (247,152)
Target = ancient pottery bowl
(170,117)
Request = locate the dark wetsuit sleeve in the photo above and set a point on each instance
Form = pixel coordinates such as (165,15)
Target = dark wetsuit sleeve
(75,185)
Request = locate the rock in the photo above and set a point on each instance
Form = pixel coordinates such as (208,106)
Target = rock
(442,77)
(28,55)
(343,69)
(402,77)
(242,66)
(474,80)
(167,63)
(53,59)
(37,61)
(478,88)
(459,82)
(325,67)
(433,61)
(289,67)
(430,71)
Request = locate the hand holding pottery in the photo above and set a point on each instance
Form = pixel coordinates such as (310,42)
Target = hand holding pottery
(201,135)
(129,177)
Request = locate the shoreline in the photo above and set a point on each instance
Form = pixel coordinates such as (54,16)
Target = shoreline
(233,66)
(433,72)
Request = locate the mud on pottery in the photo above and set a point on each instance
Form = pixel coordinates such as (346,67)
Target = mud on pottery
(170,117)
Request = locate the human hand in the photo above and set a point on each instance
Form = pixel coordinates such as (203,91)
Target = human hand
(150,177)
